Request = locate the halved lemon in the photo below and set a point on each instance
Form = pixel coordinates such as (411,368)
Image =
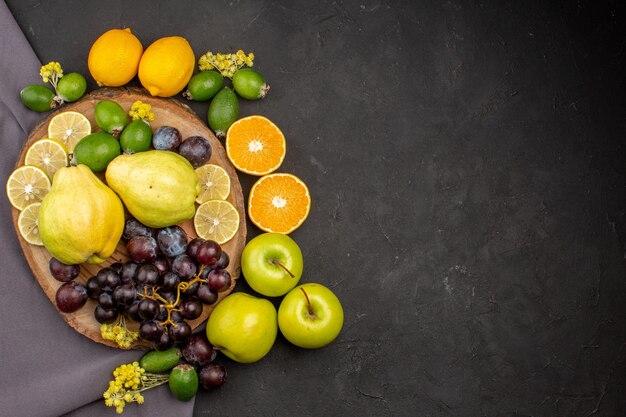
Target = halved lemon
(255,145)
(279,203)
(28,226)
(216,220)
(27,185)
(47,154)
(68,128)
(214,181)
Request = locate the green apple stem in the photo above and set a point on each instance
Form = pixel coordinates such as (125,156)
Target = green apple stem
(277,262)
(311,313)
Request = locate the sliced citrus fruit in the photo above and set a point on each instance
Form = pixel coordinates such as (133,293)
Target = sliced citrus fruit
(68,128)
(255,145)
(47,154)
(27,224)
(27,185)
(214,181)
(279,203)
(216,220)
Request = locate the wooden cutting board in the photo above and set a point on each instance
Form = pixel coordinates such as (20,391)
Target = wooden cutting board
(170,112)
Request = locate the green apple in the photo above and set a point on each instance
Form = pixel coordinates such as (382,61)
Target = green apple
(310,316)
(243,327)
(272,264)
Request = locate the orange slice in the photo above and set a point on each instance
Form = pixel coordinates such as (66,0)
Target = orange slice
(279,203)
(255,145)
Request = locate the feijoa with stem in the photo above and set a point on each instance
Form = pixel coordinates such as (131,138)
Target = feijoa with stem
(250,84)
(204,86)
(223,111)
(38,98)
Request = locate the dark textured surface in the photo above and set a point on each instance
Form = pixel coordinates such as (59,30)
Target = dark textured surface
(467,166)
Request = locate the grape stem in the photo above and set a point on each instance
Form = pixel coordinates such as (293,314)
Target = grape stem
(277,262)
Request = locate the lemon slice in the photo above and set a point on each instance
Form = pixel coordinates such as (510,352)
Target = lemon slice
(27,185)
(28,226)
(68,128)
(47,154)
(214,181)
(216,220)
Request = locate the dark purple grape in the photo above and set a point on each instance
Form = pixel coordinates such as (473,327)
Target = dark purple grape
(184,267)
(93,288)
(162,264)
(148,309)
(196,149)
(176,316)
(223,262)
(150,330)
(105,316)
(106,300)
(197,350)
(117,267)
(162,315)
(209,253)
(63,272)
(219,280)
(165,342)
(212,376)
(168,295)
(124,295)
(192,247)
(180,331)
(169,281)
(166,138)
(172,241)
(191,290)
(71,296)
(133,310)
(206,294)
(191,308)
(128,273)
(108,279)
(142,249)
(133,228)
(147,274)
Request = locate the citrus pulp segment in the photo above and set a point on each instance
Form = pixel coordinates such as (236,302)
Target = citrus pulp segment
(47,154)
(27,185)
(255,145)
(279,203)
(216,220)
(27,224)
(69,128)
(214,183)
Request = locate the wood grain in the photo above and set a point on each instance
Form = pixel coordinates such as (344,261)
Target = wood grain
(170,112)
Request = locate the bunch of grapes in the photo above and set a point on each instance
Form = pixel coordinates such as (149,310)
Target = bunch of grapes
(166,283)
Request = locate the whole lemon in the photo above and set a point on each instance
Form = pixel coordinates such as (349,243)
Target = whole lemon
(166,66)
(114,57)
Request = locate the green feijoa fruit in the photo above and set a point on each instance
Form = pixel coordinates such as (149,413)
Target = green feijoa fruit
(223,111)
(72,86)
(160,361)
(96,151)
(204,85)
(110,116)
(249,84)
(38,98)
(136,137)
(183,382)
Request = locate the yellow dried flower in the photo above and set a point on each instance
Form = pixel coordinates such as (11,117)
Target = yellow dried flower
(141,111)
(226,64)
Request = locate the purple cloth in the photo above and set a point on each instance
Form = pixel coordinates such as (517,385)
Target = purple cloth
(48,369)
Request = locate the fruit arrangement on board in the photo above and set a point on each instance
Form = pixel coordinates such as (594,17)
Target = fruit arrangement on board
(142,218)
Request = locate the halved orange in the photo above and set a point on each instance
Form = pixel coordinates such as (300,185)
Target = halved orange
(255,145)
(279,203)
